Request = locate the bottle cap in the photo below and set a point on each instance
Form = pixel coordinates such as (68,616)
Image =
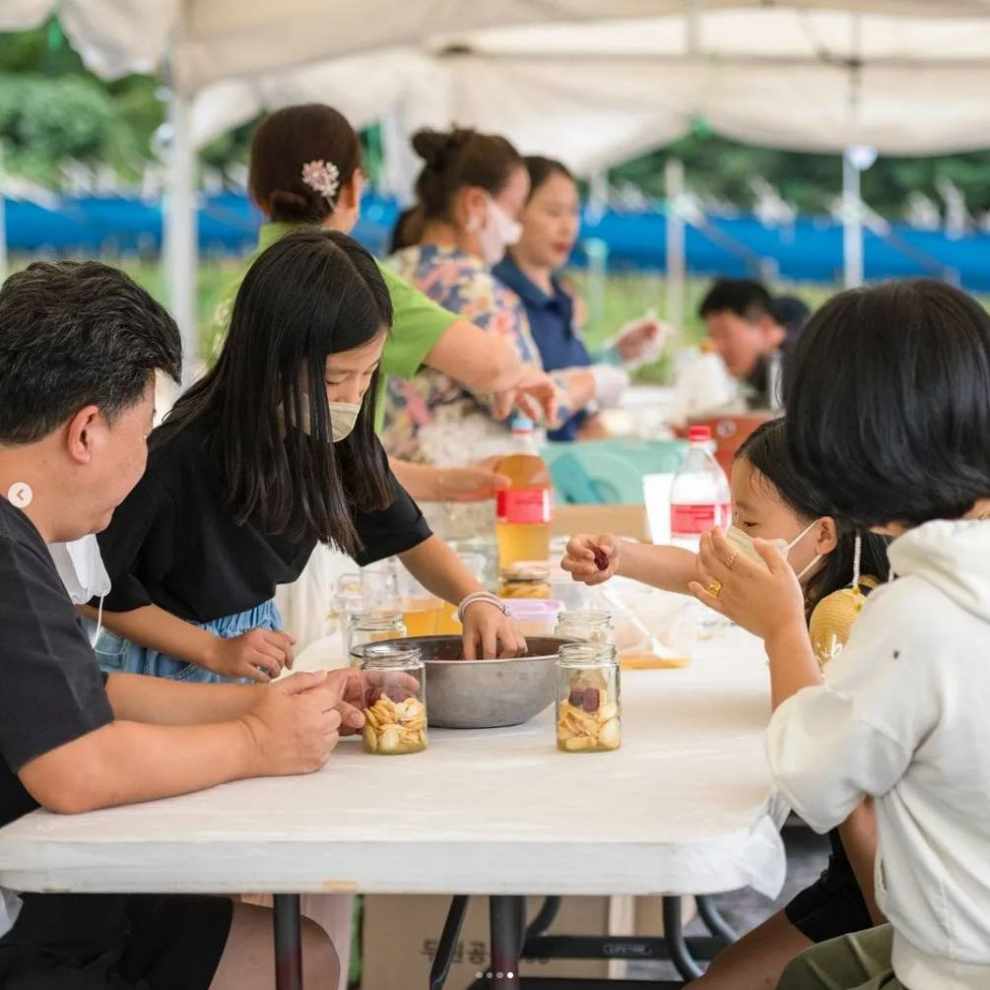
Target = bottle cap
(700,434)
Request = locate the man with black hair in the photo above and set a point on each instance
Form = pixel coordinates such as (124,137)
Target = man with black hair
(752,332)
(80,344)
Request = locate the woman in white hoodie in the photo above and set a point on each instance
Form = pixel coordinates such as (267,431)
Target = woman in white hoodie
(889,414)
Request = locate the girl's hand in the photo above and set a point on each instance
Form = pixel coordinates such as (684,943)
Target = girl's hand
(259,654)
(765,600)
(586,555)
(489,634)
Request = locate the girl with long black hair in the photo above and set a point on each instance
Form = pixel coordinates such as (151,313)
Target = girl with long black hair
(271,453)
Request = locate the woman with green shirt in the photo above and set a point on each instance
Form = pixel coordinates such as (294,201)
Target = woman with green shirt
(306,169)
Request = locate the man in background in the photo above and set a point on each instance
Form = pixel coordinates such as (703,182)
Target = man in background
(752,332)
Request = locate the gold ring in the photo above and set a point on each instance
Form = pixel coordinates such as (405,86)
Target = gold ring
(714,588)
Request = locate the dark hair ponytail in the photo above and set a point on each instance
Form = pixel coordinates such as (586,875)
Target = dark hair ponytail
(311,294)
(458,158)
(766,450)
(283,144)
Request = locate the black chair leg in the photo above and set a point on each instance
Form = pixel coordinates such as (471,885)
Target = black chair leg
(444,958)
(714,921)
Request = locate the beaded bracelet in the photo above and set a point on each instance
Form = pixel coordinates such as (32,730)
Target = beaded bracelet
(479,596)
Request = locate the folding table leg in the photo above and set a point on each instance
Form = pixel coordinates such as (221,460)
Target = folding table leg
(673,932)
(288,942)
(507,918)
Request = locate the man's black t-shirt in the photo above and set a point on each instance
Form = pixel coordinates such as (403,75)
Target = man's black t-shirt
(52,690)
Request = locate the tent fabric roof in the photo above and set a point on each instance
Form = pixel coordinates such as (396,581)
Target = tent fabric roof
(906,76)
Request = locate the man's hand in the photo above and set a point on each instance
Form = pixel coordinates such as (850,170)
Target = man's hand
(295,725)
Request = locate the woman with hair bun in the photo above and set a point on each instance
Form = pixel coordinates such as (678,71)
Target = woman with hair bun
(471,192)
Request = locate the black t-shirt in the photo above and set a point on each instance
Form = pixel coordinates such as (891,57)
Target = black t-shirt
(173,543)
(52,690)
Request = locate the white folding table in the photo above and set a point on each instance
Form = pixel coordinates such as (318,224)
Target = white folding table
(683,808)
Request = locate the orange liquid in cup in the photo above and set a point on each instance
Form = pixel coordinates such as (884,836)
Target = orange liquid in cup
(422,615)
(447,624)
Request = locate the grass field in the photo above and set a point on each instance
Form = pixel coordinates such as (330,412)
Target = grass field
(625,296)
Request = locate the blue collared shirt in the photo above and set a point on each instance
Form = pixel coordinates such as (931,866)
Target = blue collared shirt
(551,320)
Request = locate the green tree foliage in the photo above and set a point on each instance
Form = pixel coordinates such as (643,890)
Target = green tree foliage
(53,111)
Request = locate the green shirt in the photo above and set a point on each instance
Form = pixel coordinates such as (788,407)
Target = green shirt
(417,323)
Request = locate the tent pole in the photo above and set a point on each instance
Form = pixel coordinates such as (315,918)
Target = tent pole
(676,266)
(180,244)
(852,223)
(3,225)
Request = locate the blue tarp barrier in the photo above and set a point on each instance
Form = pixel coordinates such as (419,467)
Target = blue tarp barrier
(810,249)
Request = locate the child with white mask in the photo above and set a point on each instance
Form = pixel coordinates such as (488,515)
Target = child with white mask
(772,502)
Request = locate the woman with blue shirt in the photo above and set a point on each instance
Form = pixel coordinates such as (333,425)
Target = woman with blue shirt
(551,221)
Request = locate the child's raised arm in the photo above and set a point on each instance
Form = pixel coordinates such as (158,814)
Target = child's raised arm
(594,559)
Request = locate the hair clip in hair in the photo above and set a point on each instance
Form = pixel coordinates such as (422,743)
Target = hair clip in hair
(20,494)
(322,177)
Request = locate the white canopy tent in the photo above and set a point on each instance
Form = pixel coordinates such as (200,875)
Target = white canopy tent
(902,76)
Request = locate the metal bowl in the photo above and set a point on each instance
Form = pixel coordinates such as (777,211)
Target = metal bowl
(485,694)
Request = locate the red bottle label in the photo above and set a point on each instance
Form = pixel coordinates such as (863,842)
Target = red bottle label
(524,505)
(697,519)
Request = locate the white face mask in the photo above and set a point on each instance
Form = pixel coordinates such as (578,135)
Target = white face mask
(743,542)
(80,566)
(343,418)
(498,232)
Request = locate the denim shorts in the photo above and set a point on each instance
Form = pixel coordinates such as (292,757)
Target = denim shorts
(117,655)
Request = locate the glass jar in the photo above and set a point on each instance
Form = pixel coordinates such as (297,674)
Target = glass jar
(395,712)
(525,579)
(373,627)
(589,705)
(586,625)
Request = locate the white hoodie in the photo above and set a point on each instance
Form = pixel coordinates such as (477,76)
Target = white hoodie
(905,717)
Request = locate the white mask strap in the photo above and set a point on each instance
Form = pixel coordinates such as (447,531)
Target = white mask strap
(807,569)
(857,559)
(804,532)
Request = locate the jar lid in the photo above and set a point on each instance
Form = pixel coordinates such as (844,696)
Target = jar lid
(527,570)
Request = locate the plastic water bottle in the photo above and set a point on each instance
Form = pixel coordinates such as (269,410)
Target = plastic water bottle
(699,494)
(524,509)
